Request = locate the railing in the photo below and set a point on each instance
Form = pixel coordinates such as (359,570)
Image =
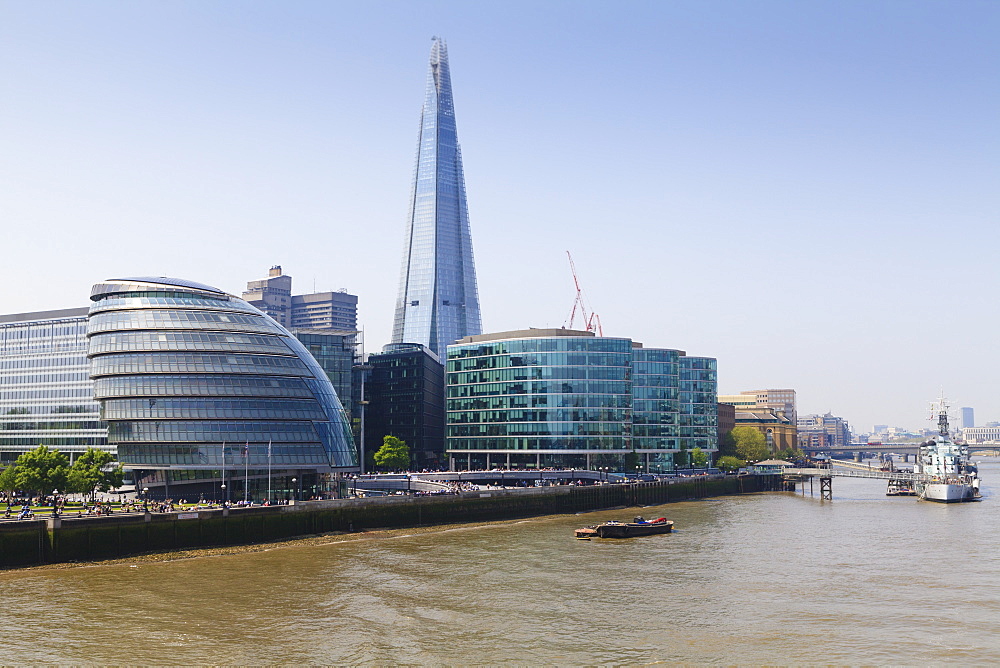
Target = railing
(852,473)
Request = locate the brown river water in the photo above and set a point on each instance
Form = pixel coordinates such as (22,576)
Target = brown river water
(768,578)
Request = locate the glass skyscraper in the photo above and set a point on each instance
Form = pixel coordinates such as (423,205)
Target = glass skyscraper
(438,300)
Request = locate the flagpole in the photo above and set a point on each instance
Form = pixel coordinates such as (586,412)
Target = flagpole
(246,472)
(223,473)
(269,470)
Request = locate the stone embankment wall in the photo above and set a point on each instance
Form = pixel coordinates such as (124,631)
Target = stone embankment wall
(33,542)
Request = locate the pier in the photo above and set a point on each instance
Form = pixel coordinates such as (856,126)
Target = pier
(897,479)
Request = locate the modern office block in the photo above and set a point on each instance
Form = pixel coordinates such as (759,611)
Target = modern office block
(197,385)
(405,394)
(438,299)
(336,311)
(782,400)
(823,431)
(968,418)
(46,395)
(566,398)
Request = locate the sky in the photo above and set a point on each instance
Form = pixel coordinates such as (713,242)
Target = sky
(807,191)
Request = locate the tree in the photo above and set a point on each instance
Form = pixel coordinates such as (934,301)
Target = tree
(8,482)
(729,463)
(727,444)
(41,470)
(699,458)
(792,455)
(394,454)
(751,445)
(93,471)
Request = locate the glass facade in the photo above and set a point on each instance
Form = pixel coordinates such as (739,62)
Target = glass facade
(438,299)
(189,377)
(564,398)
(46,395)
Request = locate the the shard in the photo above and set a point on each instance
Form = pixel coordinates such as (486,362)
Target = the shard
(438,300)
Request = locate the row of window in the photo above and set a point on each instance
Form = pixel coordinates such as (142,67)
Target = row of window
(200,386)
(540,429)
(207,320)
(540,359)
(195,302)
(540,387)
(231,409)
(187,340)
(200,431)
(9,363)
(39,378)
(538,373)
(44,425)
(540,400)
(554,344)
(559,415)
(79,389)
(132,363)
(538,443)
(303,454)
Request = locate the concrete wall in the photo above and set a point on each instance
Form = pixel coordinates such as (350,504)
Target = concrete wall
(27,543)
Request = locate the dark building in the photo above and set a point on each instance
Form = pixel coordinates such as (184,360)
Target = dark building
(727,420)
(405,394)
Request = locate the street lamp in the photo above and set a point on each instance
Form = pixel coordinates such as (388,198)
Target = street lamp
(145,499)
(55,503)
(223,486)
(294,495)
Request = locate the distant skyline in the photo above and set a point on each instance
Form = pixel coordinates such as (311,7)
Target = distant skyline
(806,191)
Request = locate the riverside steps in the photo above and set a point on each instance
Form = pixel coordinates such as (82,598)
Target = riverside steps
(72,539)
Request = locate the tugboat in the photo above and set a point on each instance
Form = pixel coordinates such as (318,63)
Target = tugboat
(637,527)
(953,477)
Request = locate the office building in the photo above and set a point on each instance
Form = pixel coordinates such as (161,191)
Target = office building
(405,394)
(782,400)
(201,389)
(823,431)
(968,418)
(46,395)
(438,300)
(336,311)
(565,398)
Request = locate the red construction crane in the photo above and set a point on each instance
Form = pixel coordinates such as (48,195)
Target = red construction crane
(590,319)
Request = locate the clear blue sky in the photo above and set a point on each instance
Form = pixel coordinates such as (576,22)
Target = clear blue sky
(807,191)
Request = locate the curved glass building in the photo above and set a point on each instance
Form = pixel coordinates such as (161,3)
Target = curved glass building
(196,384)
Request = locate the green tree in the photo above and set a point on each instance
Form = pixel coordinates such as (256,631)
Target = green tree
(751,445)
(394,454)
(699,458)
(790,455)
(727,444)
(41,470)
(729,463)
(93,471)
(8,482)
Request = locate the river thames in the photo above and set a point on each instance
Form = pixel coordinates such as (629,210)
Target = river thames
(766,578)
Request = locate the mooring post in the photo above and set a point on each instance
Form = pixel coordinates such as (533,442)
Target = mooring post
(826,488)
